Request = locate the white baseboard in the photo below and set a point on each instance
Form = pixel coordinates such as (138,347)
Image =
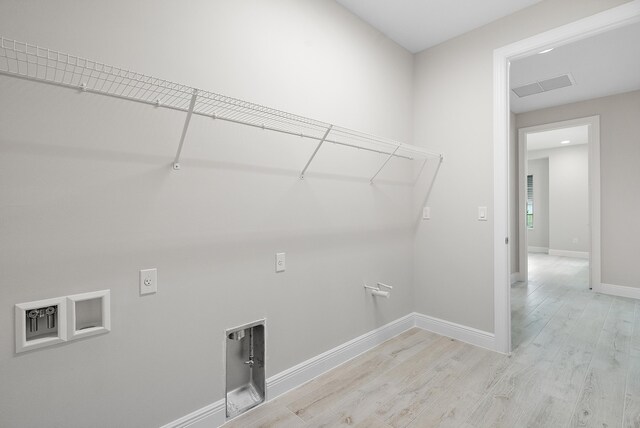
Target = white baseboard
(211,416)
(462,333)
(214,415)
(515,277)
(567,253)
(538,250)
(618,290)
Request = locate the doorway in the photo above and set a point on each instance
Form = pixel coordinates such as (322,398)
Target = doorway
(559,193)
(611,19)
(555,197)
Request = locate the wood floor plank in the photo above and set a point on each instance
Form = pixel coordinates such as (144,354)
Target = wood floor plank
(268,415)
(372,422)
(428,387)
(545,411)
(412,342)
(566,377)
(482,376)
(451,410)
(632,395)
(329,395)
(601,401)
(525,330)
(357,407)
(282,419)
(558,330)
(508,400)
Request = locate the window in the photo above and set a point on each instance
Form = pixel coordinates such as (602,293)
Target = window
(529,201)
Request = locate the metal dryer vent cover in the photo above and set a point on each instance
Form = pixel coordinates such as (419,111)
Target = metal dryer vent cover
(544,85)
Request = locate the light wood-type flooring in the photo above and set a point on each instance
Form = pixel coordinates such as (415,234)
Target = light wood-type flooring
(575,363)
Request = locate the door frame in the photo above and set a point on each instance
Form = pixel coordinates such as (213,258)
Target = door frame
(593,122)
(620,16)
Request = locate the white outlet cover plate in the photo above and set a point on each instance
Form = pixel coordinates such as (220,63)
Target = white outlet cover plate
(148,281)
(280,262)
(482,213)
(426,213)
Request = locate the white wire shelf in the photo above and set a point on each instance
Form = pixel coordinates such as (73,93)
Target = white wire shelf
(31,62)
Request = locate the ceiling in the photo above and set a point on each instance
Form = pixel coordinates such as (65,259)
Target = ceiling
(551,139)
(602,65)
(419,24)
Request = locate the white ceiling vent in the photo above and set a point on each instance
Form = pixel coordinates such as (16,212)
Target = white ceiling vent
(544,85)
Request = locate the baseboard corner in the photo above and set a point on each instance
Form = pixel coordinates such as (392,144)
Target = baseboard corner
(463,333)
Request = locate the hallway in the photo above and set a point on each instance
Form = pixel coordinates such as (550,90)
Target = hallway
(552,281)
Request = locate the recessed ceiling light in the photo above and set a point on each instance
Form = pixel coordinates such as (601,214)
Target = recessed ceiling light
(545,51)
(565,142)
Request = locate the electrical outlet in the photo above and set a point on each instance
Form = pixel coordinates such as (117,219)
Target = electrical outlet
(148,281)
(280,262)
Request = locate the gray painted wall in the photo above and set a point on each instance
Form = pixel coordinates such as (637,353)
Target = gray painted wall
(453,113)
(539,235)
(620,177)
(87,198)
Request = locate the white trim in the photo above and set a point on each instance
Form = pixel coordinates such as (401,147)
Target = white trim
(595,246)
(616,17)
(501,253)
(618,290)
(214,414)
(307,370)
(459,332)
(515,277)
(531,249)
(567,253)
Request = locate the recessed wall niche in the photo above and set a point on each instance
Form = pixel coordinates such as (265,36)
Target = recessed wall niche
(89,314)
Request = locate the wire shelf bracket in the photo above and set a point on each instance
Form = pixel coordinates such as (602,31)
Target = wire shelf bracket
(192,104)
(392,154)
(313,155)
(35,63)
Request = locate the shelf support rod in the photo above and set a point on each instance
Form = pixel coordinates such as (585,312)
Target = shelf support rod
(192,104)
(313,155)
(384,164)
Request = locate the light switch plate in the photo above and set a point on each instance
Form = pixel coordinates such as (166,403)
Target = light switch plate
(482,213)
(426,213)
(280,262)
(148,281)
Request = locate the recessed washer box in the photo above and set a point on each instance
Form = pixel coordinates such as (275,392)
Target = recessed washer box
(89,314)
(40,323)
